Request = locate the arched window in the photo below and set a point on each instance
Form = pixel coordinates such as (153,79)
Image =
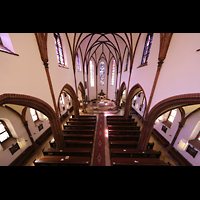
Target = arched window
(127,59)
(59,50)
(172,115)
(78,63)
(91,73)
(113,73)
(6,44)
(4,132)
(147,48)
(102,73)
(34,114)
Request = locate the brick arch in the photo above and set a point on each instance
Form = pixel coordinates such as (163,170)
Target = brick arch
(119,93)
(38,104)
(68,88)
(134,90)
(159,109)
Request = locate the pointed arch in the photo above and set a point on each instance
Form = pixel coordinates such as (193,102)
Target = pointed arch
(119,93)
(82,89)
(159,109)
(38,104)
(68,88)
(134,90)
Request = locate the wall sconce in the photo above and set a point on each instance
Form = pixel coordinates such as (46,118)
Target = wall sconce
(182,145)
(21,142)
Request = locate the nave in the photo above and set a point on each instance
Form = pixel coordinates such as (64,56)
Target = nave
(111,144)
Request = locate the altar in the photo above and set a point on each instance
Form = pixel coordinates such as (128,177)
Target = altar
(101,95)
(101,103)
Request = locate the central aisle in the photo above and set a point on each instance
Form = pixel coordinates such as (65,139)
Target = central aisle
(101,150)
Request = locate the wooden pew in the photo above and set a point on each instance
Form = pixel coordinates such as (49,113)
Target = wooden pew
(118,116)
(134,153)
(78,136)
(123,127)
(120,120)
(68,152)
(81,123)
(122,123)
(81,119)
(124,132)
(138,162)
(86,133)
(66,127)
(62,161)
(79,131)
(79,143)
(124,137)
(123,144)
(85,117)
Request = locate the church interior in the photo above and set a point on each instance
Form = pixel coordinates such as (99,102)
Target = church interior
(100,99)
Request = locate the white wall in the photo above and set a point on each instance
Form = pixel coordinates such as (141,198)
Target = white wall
(186,133)
(33,126)
(67,100)
(180,70)
(125,74)
(170,133)
(17,129)
(24,74)
(138,103)
(60,76)
(145,75)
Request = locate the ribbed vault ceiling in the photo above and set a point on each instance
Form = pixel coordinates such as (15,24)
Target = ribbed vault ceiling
(99,46)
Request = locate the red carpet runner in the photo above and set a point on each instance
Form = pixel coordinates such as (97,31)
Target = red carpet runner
(99,149)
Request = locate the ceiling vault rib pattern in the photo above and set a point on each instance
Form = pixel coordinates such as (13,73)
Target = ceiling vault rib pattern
(98,46)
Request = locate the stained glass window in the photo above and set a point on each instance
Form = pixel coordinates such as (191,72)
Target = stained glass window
(102,73)
(5,49)
(78,63)
(113,73)
(127,59)
(91,73)
(59,50)
(147,48)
